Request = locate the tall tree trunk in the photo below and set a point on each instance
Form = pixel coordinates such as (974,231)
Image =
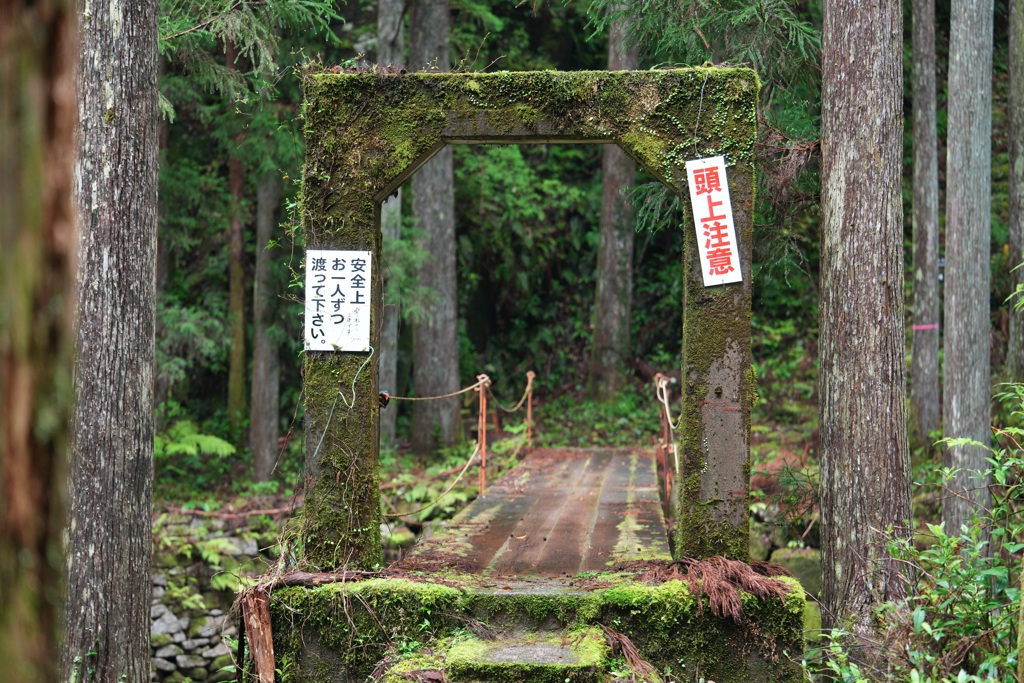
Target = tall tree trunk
(236,285)
(38,47)
(966,388)
(865,465)
(612,306)
(161,385)
(109,536)
(435,341)
(924,369)
(390,51)
(1015,110)
(265,412)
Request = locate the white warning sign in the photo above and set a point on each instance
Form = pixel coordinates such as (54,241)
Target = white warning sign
(712,217)
(338,291)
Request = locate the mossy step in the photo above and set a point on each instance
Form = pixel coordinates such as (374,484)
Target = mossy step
(577,656)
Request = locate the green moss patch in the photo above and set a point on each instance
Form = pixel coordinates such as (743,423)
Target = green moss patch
(342,631)
(536,658)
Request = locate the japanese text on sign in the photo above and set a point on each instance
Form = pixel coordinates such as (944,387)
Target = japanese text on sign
(712,217)
(338,286)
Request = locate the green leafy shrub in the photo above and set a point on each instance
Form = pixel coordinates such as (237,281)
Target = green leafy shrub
(184,455)
(960,619)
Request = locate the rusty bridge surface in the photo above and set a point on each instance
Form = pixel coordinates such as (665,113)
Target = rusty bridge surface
(560,512)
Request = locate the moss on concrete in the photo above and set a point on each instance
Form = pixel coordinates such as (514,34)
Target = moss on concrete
(367,132)
(339,632)
(576,655)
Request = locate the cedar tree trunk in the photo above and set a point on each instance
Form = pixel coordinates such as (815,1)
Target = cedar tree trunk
(1015,112)
(924,369)
(966,388)
(236,284)
(390,51)
(38,47)
(865,464)
(109,536)
(612,306)
(264,414)
(435,340)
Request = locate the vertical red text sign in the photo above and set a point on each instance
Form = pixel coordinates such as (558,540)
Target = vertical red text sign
(712,217)
(338,286)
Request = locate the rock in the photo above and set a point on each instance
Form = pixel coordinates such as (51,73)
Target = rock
(804,564)
(183,622)
(195,643)
(178,637)
(189,661)
(158,592)
(222,675)
(221,662)
(168,651)
(812,622)
(167,623)
(165,560)
(157,611)
(244,546)
(760,541)
(209,627)
(159,579)
(176,677)
(163,665)
(230,631)
(216,613)
(198,673)
(158,641)
(218,650)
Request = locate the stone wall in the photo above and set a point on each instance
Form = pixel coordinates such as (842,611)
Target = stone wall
(198,565)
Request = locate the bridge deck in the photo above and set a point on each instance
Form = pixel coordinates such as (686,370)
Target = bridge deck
(560,512)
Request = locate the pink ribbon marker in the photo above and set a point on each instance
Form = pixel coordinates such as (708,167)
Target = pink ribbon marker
(933,326)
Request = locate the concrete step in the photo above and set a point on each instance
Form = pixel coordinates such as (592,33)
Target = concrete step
(578,656)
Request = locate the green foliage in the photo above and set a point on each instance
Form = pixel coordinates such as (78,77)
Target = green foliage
(567,421)
(184,455)
(527,220)
(959,620)
(192,31)
(786,370)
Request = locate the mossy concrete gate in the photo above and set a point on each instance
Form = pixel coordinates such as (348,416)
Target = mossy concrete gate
(367,133)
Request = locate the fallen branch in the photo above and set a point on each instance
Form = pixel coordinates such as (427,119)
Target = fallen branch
(319,578)
(231,515)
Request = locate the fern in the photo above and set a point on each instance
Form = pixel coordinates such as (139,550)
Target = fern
(184,438)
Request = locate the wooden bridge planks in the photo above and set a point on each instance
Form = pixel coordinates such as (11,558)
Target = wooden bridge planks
(560,512)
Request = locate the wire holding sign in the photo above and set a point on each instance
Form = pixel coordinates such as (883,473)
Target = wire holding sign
(712,218)
(338,286)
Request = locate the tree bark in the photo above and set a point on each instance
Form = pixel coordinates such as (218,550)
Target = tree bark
(38,48)
(390,51)
(966,389)
(1015,112)
(109,536)
(924,369)
(236,285)
(610,350)
(865,464)
(266,370)
(435,341)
